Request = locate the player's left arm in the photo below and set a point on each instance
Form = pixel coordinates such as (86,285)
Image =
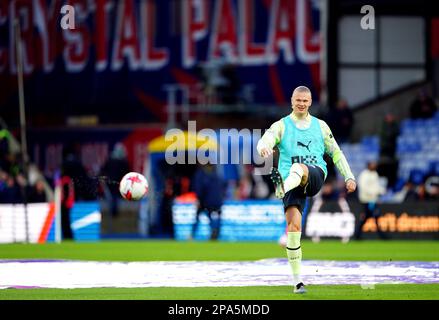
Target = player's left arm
(333,150)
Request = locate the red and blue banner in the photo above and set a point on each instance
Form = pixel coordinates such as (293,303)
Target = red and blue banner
(116,61)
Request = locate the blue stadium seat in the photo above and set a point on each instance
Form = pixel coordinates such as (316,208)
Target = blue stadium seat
(399,184)
(370,141)
(405,147)
(433,132)
(433,167)
(406,129)
(417,176)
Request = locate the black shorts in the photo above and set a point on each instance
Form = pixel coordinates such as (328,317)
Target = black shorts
(297,196)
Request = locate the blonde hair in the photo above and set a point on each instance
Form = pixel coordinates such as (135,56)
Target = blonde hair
(301,89)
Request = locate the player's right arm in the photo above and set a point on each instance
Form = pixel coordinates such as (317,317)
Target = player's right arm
(270,139)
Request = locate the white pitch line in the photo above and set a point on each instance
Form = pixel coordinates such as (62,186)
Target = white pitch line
(268,272)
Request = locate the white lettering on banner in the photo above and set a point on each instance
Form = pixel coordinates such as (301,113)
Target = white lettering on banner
(24,13)
(129,34)
(45,21)
(228,28)
(281,32)
(103,8)
(253,213)
(184,213)
(194,20)
(152,58)
(250,53)
(126,44)
(234,213)
(249,220)
(330,224)
(76,50)
(308,45)
(223,39)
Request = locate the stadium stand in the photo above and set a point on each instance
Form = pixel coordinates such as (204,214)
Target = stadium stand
(358,154)
(417,152)
(418,149)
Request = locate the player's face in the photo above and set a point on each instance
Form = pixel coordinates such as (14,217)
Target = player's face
(301,101)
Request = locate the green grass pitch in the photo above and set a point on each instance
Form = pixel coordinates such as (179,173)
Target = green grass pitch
(167,250)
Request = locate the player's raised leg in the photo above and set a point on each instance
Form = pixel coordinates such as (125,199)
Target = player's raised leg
(298,176)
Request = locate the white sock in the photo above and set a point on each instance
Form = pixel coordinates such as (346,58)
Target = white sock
(294,254)
(294,178)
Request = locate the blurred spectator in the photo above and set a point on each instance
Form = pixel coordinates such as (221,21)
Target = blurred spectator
(176,182)
(432,187)
(388,163)
(11,164)
(85,187)
(341,120)
(330,191)
(422,193)
(172,181)
(212,78)
(428,189)
(73,181)
(220,81)
(67,202)
(432,180)
(9,189)
(24,187)
(210,190)
(14,186)
(113,170)
(423,106)
(3,185)
(229,91)
(388,136)
(370,190)
(38,192)
(260,185)
(245,185)
(407,193)
(231,190)
(4,147)
(252,184)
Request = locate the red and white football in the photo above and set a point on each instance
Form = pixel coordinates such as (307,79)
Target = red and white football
(133,186)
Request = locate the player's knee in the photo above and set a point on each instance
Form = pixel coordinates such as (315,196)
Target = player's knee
(293,226)
(298,168)
(305,169)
